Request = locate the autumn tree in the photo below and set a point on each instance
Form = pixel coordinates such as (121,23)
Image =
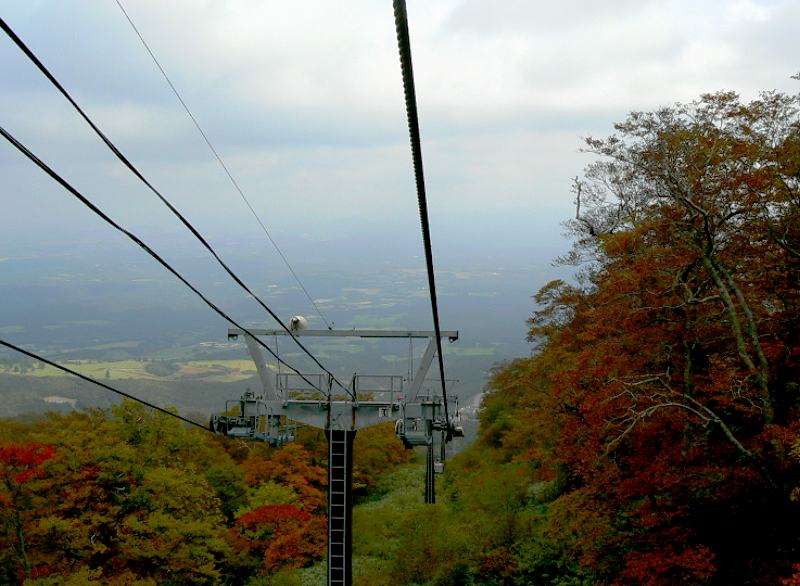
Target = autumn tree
(280,536)
(127,497)
(680,390)
(20,466)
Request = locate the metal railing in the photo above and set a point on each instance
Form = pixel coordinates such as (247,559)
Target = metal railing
(382,388)
(386,388)
(291,385)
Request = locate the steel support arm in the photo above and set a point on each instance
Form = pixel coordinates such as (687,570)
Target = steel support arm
(264,374)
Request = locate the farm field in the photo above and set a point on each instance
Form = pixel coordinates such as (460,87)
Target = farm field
(209,370)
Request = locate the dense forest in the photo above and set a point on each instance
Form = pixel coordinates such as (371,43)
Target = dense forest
(126,496)
(653,437)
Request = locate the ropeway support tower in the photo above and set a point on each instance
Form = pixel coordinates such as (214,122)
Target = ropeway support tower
(289,398)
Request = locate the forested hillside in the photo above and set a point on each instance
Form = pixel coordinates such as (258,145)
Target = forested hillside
(652,438)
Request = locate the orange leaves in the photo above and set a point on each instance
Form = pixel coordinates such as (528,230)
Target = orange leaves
(794,579)
(163,504)
(498,563)
(668,565)
(665,392)
(271,515)
(286,536)
(290,465)
(376,450)
(21,463)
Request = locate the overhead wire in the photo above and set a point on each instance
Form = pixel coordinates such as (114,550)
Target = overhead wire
(125,161)
(278,352)
(101,384)
(404,48)
(88,203)
(224,166)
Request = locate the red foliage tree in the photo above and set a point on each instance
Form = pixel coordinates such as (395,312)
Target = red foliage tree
(292,466)
(666,387)
(283,535)
(20,464)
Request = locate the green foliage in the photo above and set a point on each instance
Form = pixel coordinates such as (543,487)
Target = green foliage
(129,496)
(79,578)
(271,493)
(376,451)
(162,368)
(227,480)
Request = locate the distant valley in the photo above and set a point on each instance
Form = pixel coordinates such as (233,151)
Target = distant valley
(111,315)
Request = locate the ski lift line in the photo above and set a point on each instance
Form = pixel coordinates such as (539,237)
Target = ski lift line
(100,384)
(224,166)
(404,47)
(36,61)
(63,182)
(277,351)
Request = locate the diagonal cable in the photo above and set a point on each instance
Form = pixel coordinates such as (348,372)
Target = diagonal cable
(101,384)
(36,61)
(404,46)
(222,164)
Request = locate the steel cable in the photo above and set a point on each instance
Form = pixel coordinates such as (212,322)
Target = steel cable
(404,47)
(101,384)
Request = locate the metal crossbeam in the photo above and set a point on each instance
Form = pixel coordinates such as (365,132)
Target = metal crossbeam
(261,367)
(451,335)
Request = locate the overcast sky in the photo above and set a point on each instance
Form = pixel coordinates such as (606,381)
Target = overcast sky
(304,101)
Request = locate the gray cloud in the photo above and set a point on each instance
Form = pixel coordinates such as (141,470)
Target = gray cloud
(304,100)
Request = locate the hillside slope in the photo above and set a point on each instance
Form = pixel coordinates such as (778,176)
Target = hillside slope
(653,438)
